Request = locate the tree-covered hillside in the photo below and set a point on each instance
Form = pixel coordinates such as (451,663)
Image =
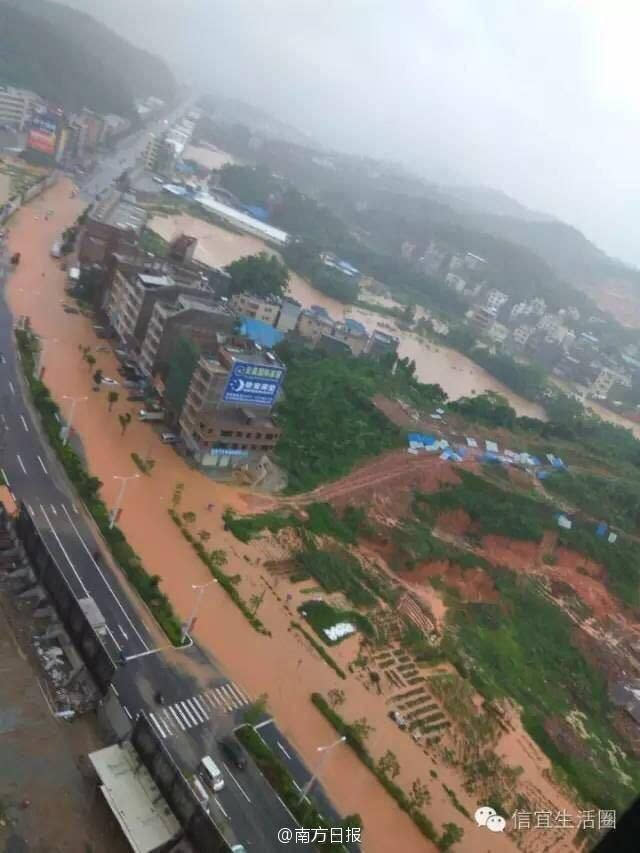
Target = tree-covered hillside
(72,60)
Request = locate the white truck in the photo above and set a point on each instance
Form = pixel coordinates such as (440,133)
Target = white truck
(56,250)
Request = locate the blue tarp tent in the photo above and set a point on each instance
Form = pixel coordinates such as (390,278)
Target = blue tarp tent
(601,529)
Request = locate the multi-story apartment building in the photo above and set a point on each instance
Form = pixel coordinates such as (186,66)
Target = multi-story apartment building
(195,316)
(496,299)
(313,323)
(353,334)
(16,106)
(208,423)
(265,309)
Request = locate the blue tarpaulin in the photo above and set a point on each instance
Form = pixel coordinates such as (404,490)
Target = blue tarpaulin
(601,529)
(261,333)
(543,475)
(421,438)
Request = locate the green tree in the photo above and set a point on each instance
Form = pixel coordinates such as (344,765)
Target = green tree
(176,497)
(256,600)
(361,728)
(112,398)
(452,833)
(263,275)
(125,420)
(204,535)
(189,517)
(256,710)
(97,377)
(388,764)
(218,557)
(90,359)
(336,697)
(419,794)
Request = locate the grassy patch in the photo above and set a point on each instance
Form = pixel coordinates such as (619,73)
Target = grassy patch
(615,500)
(213,561)
(493,509)
(88,487)
(336,570)
(523,647)
(321,616)
(356,743)
(324,654)
(322,520)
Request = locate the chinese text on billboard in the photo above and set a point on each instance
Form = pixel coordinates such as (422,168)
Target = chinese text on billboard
(253,384)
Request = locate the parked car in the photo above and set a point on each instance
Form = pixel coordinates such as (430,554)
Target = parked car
(107,380)
(232,751)
(144,415)
(69,309)
(168,438)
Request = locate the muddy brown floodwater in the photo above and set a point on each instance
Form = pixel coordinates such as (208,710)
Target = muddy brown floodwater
(458,376)
(281,666)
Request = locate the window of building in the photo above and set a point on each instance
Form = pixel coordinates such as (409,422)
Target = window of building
(238,434)
(258,435)
(226,433)
(268,436)
(243,447)
(254,446)
(265,447)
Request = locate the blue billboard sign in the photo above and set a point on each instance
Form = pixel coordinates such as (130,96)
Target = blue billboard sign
(253,384)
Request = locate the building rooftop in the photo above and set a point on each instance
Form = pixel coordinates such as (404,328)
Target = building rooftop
(115,211)
(153,282)
(134,798)
(277,235)
(383,337)
(355,327)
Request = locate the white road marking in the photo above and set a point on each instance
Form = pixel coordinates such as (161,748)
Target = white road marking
(30,509)
(113,687)
(167,720)
(24,423)
(214,699)
(53,509)
(219,804)
(228,699)
(21,463)
(3,359)
(62,548)
(13,390)
(107,584)
(127,712)
(189,713)
(75,509)
(158,725)
(115,642)
(42,465)
(197,714)
(283,749)
(178,720)
(201,706)
(242,790)
(5,478)
(122,631)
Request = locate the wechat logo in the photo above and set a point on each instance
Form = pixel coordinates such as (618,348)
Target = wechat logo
(488,817)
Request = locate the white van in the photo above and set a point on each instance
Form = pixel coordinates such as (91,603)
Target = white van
(211,773)
(56,250)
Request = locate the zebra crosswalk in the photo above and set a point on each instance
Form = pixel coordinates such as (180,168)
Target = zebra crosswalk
(197,710)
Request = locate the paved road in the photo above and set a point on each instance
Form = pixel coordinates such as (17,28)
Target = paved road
(194,714)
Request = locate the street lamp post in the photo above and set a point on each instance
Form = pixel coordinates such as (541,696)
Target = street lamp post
(120,498)
(200,587)
(325,750)
(43,348)
(74,400)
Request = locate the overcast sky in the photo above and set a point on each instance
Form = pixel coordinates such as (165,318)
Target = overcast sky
(534,97)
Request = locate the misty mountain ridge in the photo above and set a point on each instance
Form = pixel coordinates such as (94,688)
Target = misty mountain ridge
(69,58)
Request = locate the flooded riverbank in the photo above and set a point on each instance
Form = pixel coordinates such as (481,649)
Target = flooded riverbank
(458,375)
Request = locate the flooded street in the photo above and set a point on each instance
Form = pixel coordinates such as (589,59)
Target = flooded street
(458,376)
(283,666)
